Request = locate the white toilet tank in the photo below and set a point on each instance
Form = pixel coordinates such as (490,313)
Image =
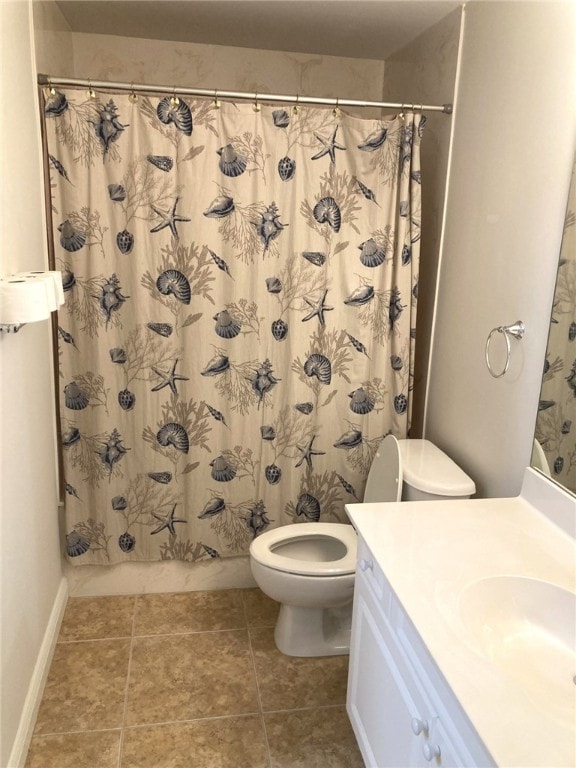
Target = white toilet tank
(424,472)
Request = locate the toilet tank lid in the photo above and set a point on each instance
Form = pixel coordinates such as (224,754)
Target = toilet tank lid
(430,470)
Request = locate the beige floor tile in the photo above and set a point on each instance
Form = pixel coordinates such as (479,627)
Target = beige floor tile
(287,682)
(92,618)
(75,750)
(261,611)
(183,677)
(314,738)
(166,614)
(85,687)
(236,742)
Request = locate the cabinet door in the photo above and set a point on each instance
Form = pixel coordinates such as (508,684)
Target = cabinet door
(380,705)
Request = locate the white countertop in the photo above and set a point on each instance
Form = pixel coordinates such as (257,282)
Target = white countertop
(430,552)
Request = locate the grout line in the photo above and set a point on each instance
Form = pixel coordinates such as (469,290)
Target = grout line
(190,720)
(193,632)
(153,724)
(94,639)
(162,634)
(261,710)
(121,744)
(124,728)
(304,709)
(75,733)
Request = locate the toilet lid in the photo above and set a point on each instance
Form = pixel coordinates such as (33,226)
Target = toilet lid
(262,549)
(385,478)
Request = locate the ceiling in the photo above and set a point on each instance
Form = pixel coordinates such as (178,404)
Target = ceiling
(370,29)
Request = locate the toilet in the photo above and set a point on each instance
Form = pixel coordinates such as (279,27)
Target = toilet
(309,567)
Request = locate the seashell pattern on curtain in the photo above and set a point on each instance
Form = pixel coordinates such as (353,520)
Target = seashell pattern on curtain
(239,327)
(556,419)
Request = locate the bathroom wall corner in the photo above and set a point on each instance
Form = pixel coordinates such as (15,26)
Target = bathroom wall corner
(424,72)
(38,680)
(31,573)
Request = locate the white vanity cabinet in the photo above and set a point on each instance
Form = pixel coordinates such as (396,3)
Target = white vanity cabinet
(401,708)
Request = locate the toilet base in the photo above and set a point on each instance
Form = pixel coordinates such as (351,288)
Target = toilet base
(313,631)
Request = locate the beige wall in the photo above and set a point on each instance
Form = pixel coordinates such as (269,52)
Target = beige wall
(30,553)
(514,133)
(106,57)
(424,72)
(53,39)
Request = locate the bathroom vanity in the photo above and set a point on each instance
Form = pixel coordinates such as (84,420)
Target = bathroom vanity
(463,635)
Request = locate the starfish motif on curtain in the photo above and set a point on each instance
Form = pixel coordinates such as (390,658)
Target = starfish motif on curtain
(168,379)
(308,452)
(169,219)
(317,309)
(330,146)
(167,521)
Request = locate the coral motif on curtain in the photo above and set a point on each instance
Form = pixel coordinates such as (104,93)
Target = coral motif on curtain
(556,421)
(238,333)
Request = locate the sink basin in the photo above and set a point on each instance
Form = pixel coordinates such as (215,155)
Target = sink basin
(527,629)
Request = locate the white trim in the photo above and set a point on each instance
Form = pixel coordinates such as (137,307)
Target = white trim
(444,216)
(38,680)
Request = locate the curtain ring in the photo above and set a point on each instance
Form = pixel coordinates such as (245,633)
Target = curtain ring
(216,102)
(256,104)
(132,96)
(401,113)
(51,89)
(90,92)
(296,107)
(174,100)
(336,111)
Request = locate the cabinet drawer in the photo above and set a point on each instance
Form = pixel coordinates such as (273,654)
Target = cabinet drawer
(371,573)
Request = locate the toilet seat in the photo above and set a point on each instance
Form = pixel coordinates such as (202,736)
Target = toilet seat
(262,549)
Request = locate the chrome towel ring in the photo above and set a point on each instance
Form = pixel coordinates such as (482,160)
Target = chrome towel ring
(517,331)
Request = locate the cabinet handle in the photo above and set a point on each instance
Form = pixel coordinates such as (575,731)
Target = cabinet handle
(366,565)
(431,751)
(419,726)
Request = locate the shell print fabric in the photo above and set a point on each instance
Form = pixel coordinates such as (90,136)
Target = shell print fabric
(556,419)
(239,327)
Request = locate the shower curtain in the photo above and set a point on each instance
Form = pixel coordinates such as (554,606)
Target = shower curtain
(238,333)
(556,420)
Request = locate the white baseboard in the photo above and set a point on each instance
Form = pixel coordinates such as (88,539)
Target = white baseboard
(38,680)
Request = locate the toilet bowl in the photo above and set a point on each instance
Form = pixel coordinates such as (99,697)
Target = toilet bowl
(309,567)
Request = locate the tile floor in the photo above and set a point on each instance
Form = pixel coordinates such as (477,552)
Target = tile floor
(188,679)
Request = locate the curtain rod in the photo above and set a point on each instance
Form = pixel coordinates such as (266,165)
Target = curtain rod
(216,93)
